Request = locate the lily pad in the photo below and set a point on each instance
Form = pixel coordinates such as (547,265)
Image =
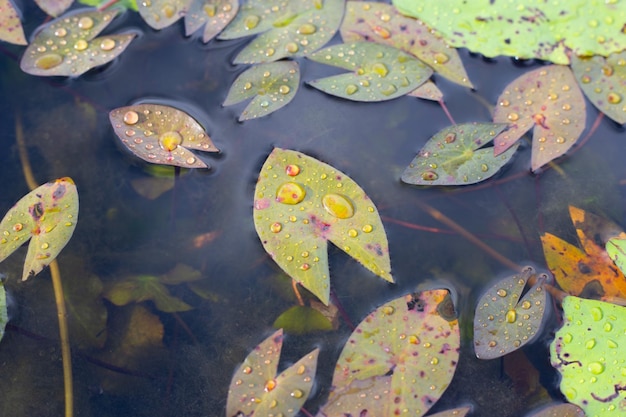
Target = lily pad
(11,29)
(453,157)
(549,100)
(292,28)
(427,91)
(4,316)
(159,14)
(47,215)
(302,320)
(603,81)
(256,390)
(68,46)
(504,322)
(161,134)
(379,72)
(54,7)
(587,353)
(300,203)
(399,360)
(382,23)
(272,85)
(215,13)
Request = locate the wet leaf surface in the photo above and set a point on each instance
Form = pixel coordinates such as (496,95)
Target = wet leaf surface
(504,322)
(382,23)
(302,320)
(525,29)
(272,85)
(159,14)
(379,72)
(54,7)
(11,29)
(161,134)
(400,357)
(47,216)
(559,410)
(301,203)
(256,390)
(68,46)
(292,28)
(216,14)
(603,81)
(547,99)
(453,157)
(587,353)
(427,91)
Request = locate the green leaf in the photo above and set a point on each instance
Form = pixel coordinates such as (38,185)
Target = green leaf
(504,322)
(215,13)
(603,81)
(300,203)
(68,46)
(11,29)
(272,85)
(381,23)
(48,215)
(453,157)
(549,100)
(159,14)
(293,28)
(256,390)
(4,316)
(302,320)
(616,249)
(126,4)
(559,410)
(587,352)
(54,7)
(139,288)
(400,357)
(379,72)
(526,29)
(161,134)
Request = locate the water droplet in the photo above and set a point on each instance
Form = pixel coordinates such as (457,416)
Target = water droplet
(60,32)
(367,228)
(382,32)
(273,403)
(338,205)
(270,51)
(568,338)
(3,240)
(484,168)
(566,106)
(292,47)
(414,340)
(247,86)
(264,103)
(608,327)
(307,29)
(247,370)
(492,343)
(614,98)
(491,317)
(270,385)
(168,10)
(17,227)
(251,21)
(501,292)
(526,304)
(85,22)
(351,89)
(607,70)
(388,310)
(504,103)
(276,227)
(434,361)
(296,393)
(305,267)
(170,140)
(81,45)
(585,79)
(511,316)
(292,170)
(380,69)
(290,193)
(611,343)
(565,121)
(48,61)
(107,44)
(450,137)
(284,89)
(209,9)
(590,344)
(301,369)
(441,58)
(560,139)
(353,233)
(429,176)
(542,139)
(596,368)
(45,246)
(513,117)
(305,254)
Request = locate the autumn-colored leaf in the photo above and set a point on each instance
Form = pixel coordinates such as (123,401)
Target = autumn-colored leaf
(216,14)
(11,29)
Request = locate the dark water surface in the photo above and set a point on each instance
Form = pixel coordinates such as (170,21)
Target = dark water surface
(121,233)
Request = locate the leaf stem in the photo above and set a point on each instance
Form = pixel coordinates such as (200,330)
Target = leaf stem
(294,285)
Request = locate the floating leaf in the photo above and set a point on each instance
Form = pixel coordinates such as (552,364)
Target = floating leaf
(504,322)
(525,28)
(592,228)
(453,157)
(302,320)
(4,316)
(161,134)
(11,29)
(272,85)
(293,28)
(66,46)
(99,4)
(399,360)
(300,204)
(48,215)
(524,377)
(379,72)
(549,100)
(559,410)
(587,352)
(256,390)
(381,23)
(604,82)
(215,13)
(54,7)
(427,91)
(160,14)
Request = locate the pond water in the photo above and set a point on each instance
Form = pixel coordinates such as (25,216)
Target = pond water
(121,233)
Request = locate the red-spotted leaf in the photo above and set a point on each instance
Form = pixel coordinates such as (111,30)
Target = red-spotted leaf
(161,134)
(215,13)
(603,81)
(256,390)
(453,157)
(399,360)
(11,29)
(54,7)
(427,91)
(301,203)
(504,322)
(559,410)
(272,85)
(378,72)
(549,100)
(160,14)
(47,215)
(68,46)
(381,23)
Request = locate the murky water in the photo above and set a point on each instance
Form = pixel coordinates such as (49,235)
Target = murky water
(121,233)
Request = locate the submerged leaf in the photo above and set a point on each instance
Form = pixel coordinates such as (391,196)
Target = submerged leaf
(161,134)
(399,360)
(302,320)
(272,85)
(559,410)
(379,72)
(4,317)
(301,203)
(457,412)
(504,322)
(11,29)
(160,14)
(54,7)
(66,46)
(48,215)
(587,352)
(381,23)
(215,13)
(256,390)
(549,100)
(453,157)
(139,288)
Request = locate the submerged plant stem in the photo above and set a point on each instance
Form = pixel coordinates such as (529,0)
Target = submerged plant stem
(294,285)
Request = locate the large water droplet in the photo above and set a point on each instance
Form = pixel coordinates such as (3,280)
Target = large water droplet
(614,98)
(307,29)
(131,117)
(251,21)
(270,385)
(429,176)
(513,117)
(441,58)
(292,170)
(351,89)
(48,61)
(380,69)
(290,193)
(296,393)
(511,316)
(85,22)
(338,205)
(170,140)
(596,368)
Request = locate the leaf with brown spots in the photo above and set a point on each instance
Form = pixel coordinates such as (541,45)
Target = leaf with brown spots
(11,29)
